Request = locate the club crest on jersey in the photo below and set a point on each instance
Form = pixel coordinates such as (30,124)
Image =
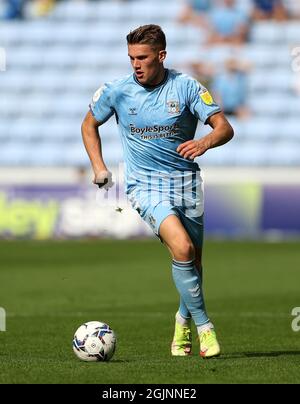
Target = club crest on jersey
(132,111)
(173,107)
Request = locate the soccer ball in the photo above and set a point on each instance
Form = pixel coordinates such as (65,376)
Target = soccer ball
(94,341)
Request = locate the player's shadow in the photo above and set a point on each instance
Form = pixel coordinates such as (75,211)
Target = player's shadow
(272,354)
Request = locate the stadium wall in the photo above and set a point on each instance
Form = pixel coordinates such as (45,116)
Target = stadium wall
(239,203)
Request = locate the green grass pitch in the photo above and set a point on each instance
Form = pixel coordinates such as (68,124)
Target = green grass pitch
(49,288)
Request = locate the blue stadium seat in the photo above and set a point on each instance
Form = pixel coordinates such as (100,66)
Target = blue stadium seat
(25,57)
(11,33)
(293,107)
(280,81)
(111,11)
(44,154)
(15,82)
(222,156)
(75,155)
(74,106)
(62,130)
(74,11)
(8,103)
(155,13)
(252,153)
(289,128)
(38,32)
(262,128)
(268,33)
(13,154)
(26,129)
(284,153)
(265,105)
(36,106)
(266,56)
(61,56)
(293,32)
(5,130)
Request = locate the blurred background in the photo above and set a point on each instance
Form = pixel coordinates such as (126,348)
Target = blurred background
(55,54)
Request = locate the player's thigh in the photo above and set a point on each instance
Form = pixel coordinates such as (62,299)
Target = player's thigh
(174,235)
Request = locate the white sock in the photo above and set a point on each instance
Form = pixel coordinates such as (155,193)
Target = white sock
(204,327)
(181,320)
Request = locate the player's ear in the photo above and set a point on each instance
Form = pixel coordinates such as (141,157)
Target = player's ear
(162,55)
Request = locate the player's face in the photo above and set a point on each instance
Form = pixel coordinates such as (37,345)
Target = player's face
(147,63)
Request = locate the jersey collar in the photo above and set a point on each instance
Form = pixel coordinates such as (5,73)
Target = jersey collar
(157,85)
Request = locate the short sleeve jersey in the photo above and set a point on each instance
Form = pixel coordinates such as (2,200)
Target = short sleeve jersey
(154,121)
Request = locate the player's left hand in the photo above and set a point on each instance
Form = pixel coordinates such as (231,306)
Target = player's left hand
(193,148)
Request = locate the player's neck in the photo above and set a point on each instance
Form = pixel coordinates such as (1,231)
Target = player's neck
(159,78)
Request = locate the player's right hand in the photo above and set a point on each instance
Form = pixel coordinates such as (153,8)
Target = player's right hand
(104,179)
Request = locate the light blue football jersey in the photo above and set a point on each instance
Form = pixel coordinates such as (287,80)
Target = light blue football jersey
(154,121)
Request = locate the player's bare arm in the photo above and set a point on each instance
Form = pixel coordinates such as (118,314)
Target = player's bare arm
(221,134)
(92,143)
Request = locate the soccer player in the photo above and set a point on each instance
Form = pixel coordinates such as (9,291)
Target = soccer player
(157,111)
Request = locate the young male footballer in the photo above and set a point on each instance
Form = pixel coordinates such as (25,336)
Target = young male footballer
(157,111)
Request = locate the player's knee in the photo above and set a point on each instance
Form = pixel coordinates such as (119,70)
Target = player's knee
(184,250)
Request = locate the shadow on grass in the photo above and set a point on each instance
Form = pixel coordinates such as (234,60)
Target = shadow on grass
(274,354)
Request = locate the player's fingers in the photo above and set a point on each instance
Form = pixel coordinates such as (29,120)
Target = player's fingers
(102,183)
(186,149)
(188,155)
(103,179)
(183,145)
(189,150)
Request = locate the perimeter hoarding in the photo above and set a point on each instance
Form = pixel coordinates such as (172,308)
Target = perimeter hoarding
(67,211)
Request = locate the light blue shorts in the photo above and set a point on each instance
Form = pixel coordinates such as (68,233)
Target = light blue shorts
(155,213)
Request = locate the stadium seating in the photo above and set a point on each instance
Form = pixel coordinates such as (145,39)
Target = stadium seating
(55,64)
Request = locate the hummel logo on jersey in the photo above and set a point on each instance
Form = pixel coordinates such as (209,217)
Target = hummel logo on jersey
(132,111)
